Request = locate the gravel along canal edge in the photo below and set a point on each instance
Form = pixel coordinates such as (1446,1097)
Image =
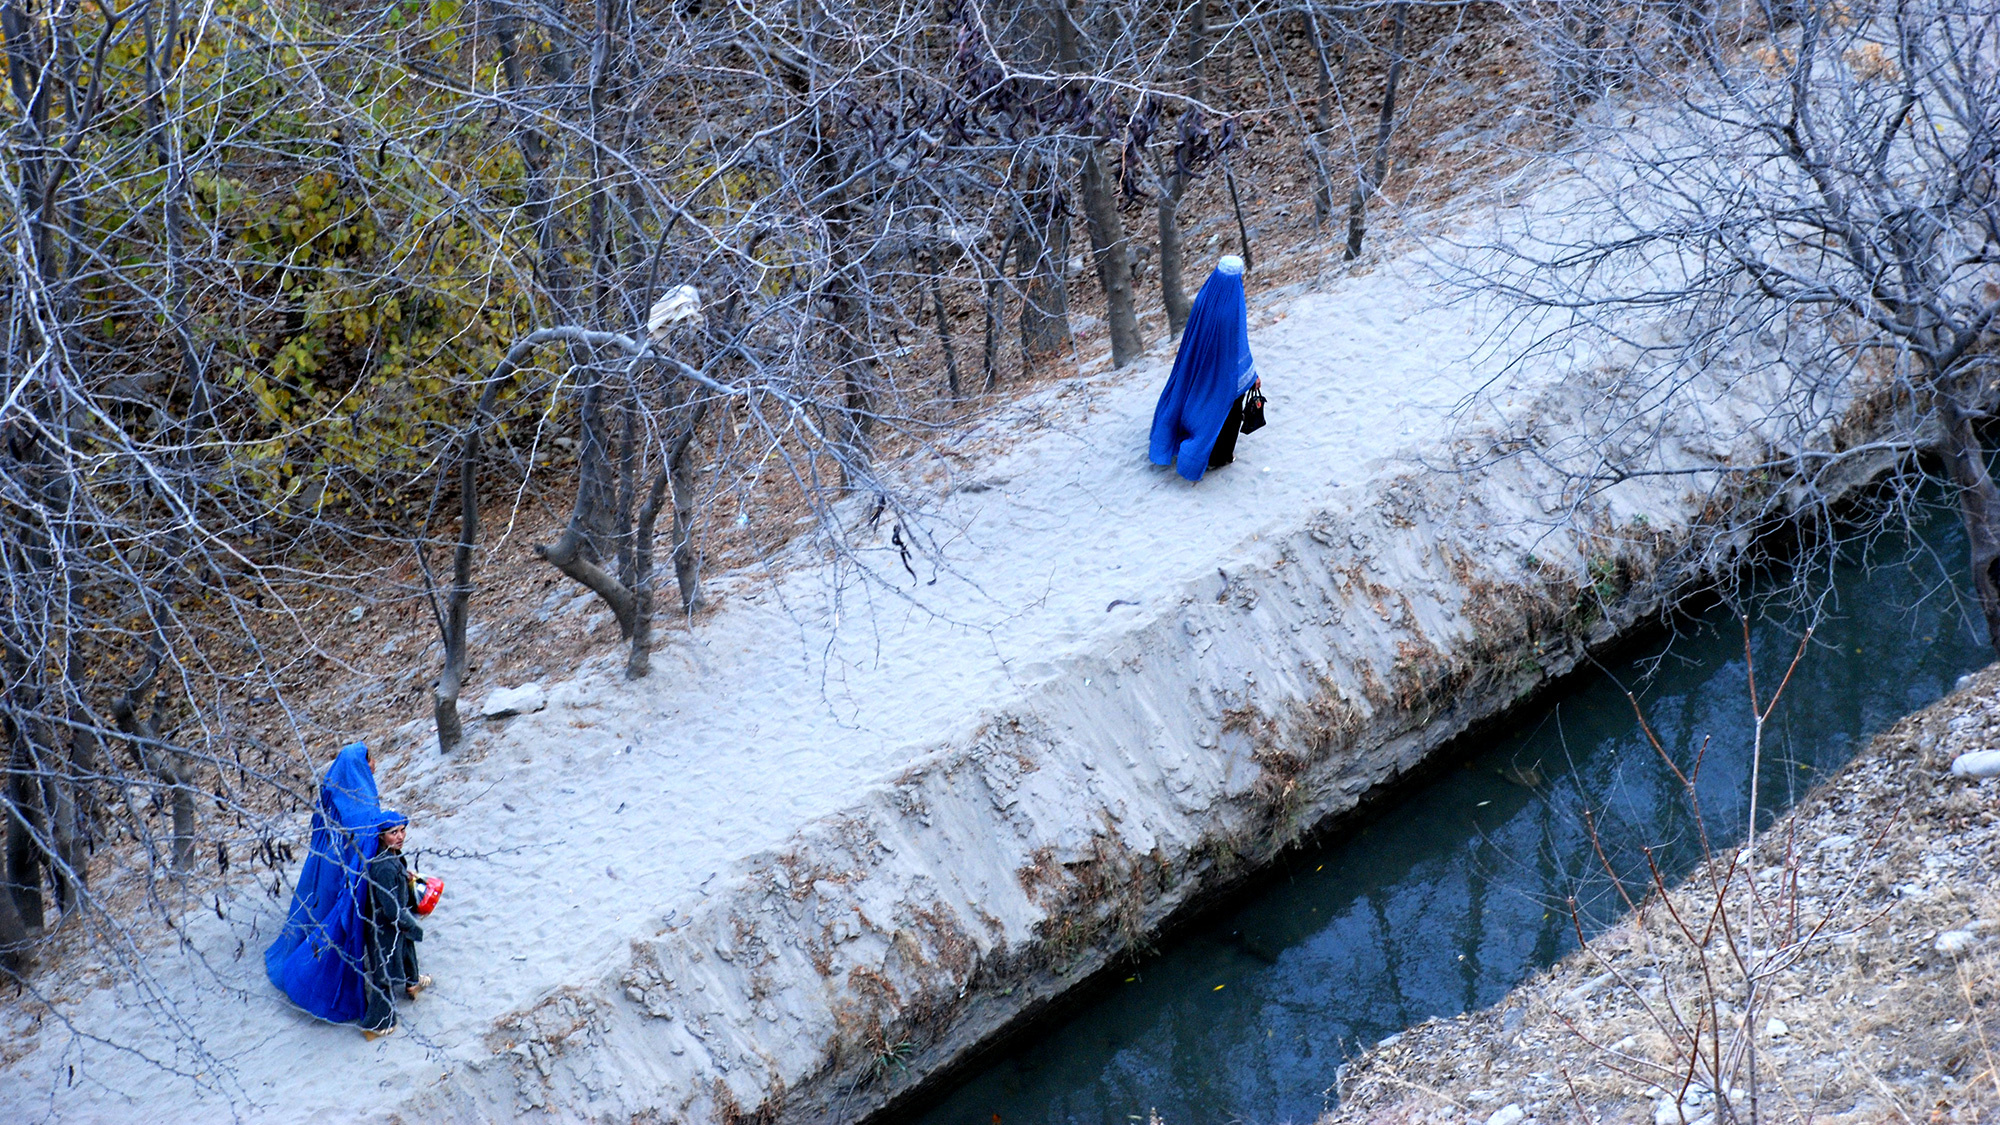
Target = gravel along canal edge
(1881,1003)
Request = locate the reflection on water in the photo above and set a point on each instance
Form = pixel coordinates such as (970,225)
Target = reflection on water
(1460,892)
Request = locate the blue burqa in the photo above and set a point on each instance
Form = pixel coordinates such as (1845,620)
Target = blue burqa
(318,957)
(1211,370)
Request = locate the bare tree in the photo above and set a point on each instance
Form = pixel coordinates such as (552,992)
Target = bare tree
(1108,245)
(1809,189)
(1176,173)
(1369,179)
(1328,84)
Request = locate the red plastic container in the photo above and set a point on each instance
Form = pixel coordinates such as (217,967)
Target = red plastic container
(431,888)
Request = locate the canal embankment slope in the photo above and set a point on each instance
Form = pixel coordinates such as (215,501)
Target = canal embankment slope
(1878,962)
(856,824)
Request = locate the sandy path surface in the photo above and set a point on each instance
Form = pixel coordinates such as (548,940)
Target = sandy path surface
(566,834)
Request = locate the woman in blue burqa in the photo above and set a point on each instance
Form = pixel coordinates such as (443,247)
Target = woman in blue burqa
(1201,409)
(321,955)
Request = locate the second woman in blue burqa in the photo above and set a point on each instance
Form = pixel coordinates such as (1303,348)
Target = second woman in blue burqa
(344,953)
(1201,408)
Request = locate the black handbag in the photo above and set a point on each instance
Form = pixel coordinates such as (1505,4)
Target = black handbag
(1253,411)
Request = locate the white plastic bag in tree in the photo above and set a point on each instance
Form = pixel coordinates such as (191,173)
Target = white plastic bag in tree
(682,302)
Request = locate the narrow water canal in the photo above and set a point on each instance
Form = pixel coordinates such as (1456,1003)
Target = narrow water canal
(1447,900)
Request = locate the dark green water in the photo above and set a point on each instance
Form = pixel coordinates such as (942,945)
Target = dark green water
(1456,894)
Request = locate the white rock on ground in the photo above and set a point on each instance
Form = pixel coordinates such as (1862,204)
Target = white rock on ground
(1952,943)
(835,804)
(1977,763)
(522,700)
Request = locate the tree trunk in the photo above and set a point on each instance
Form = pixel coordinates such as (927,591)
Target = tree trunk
(70,792)
(79,808)
(595,516)
(1979,507)
(640,660)
(1114,257)
(165,763)
(182,803)
(996,313)
(16,942)
(1370,180)
(18,928)
(444,702)
(846,296)
(1579,78)
(1173,260)
(599,529)
(1236,202)
(996,304)
(1197,46)
(852,357)
(567,554)
(677,480)
(1040,257)
(458,602)
(680,466)
(20,867)
(167,141)
(628,480)
(943,327)
(1173,280)
(1323,189)
(538,203)
(1108,246)
(24,854)
(451,679)
(607,126)
(62,851)
(41,830)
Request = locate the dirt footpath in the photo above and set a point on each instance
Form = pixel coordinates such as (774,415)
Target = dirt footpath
(1876,945)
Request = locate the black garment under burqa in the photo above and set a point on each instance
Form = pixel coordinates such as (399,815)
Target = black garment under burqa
(393,934)
(1224,451)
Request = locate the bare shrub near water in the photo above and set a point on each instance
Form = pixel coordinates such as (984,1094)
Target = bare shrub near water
(1703,965)
(1719,958)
